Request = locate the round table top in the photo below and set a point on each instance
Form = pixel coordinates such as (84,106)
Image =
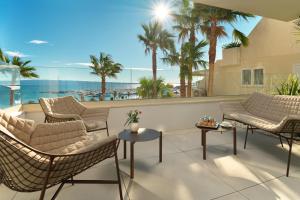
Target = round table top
(143,135)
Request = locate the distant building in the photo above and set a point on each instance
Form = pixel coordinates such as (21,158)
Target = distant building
(273,54)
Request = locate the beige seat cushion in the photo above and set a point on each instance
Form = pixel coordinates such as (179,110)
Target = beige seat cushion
(255,121)
(93,124)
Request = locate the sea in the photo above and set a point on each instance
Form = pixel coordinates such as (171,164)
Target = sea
(31,90)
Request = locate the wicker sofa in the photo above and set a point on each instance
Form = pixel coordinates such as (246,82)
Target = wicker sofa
(34,157)
(279,115)
(68,109)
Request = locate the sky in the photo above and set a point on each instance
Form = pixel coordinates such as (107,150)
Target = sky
(58,36)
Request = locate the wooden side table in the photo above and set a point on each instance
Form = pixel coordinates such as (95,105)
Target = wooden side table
(205,130)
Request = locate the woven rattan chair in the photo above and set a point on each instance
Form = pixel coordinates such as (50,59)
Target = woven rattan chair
(37,157)
(68,109)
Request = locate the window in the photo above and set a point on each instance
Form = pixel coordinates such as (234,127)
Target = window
(258,76)
(246,77)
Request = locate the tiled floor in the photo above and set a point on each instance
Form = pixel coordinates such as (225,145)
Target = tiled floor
(255,173)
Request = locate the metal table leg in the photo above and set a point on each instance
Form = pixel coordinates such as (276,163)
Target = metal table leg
(160,147)
(131,159)
(204,143)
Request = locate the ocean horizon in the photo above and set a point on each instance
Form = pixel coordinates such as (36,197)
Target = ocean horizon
(32,90)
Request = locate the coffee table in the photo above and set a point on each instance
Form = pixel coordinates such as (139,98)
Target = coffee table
(143,135)
(205,130)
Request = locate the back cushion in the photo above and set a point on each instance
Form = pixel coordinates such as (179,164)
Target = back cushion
(273,108)
(257,104)
(54,137)
(282,106)
(20,128)
(62,105)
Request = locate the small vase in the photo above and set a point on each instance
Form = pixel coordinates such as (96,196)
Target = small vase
(134,127)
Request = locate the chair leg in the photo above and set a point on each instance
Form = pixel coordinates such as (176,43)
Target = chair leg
(280,141)
(118,174)
(246,137)
(46,180)
(42,193)
(290,154)
(72,180)
(107,129)
(251,129)
(57,191)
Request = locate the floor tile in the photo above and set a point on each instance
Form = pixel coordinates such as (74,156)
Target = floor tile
(177,177)
(286,188)
(233,196)
(5,193)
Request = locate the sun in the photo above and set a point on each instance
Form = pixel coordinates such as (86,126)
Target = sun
(161,11)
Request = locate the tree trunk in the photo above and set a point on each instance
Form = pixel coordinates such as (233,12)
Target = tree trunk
(103,89)
(154,71)
(182,75)
(212,57)
(192,40)
(182,83)
(189,89)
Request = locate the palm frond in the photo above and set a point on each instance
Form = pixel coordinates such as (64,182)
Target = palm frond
(238,36)
(231,45)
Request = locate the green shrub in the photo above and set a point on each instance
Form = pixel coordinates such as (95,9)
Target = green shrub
(290,87)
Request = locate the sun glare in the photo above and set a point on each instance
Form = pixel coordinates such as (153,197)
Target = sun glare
(161,11)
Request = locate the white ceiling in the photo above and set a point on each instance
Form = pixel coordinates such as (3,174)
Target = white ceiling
(285,10)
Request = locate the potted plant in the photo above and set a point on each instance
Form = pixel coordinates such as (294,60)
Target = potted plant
(133,120)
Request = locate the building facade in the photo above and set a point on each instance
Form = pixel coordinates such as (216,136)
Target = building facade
(273,53)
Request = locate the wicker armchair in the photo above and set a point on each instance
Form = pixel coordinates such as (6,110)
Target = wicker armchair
(37,157)
(68,109)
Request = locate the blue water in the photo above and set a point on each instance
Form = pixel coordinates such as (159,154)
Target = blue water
(32,90)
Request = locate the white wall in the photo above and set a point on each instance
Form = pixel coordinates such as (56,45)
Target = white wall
(162,117)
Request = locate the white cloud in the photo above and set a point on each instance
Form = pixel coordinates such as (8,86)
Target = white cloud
(16,53)
(129,68)
(142,69)
(38,42)
(80,64)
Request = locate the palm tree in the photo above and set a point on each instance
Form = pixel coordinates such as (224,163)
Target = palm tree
(3,57)
(25,70)
(104,67)
(175,58)
(154,38)
(194,59)
(187,24)
(146,90)
(213,28)
(190,57)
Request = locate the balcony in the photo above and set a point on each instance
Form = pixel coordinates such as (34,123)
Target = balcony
(258,172)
